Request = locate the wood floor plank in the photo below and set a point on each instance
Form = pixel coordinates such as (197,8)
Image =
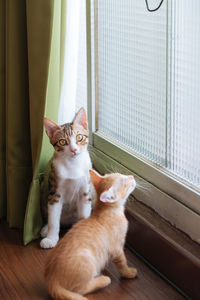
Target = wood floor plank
(21,274)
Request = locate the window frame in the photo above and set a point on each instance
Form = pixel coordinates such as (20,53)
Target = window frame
(168,195)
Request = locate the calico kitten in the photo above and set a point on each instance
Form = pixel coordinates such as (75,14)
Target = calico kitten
(66,198)
(73,267)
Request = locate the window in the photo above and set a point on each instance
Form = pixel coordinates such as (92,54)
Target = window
(145,99)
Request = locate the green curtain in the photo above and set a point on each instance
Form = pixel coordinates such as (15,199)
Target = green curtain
(31,62)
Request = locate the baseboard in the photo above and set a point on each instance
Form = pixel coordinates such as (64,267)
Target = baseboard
(175,262)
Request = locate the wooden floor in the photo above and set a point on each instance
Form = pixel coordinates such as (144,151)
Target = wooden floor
(21,274)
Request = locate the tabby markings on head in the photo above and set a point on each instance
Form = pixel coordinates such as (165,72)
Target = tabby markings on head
(67,128)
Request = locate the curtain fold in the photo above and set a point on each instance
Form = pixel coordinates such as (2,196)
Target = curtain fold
(17,127)
(3,206)
(31,55)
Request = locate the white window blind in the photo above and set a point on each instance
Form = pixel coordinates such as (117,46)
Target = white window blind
(148,81)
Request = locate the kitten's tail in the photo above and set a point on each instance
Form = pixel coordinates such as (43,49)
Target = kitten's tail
(60,293)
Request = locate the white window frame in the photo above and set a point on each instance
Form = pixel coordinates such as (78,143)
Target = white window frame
(168,195)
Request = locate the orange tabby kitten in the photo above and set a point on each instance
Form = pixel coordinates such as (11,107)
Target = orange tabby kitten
(73,267)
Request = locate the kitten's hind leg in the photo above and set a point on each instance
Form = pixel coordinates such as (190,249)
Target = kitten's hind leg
(84,205)
(44,231)
(84,209)
(96,284)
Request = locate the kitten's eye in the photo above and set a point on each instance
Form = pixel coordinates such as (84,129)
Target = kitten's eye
(79,137)
(62,142)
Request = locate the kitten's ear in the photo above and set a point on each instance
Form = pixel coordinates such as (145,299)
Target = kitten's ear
(50,127)
(108,196)
(95,177)
(81,118)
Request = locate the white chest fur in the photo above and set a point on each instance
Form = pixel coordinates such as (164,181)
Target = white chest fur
(72,184)
(73,167)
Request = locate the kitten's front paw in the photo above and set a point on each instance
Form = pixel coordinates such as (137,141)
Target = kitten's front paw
(48,243)
(130,273)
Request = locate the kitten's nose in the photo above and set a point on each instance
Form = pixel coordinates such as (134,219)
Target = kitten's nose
(74,151)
